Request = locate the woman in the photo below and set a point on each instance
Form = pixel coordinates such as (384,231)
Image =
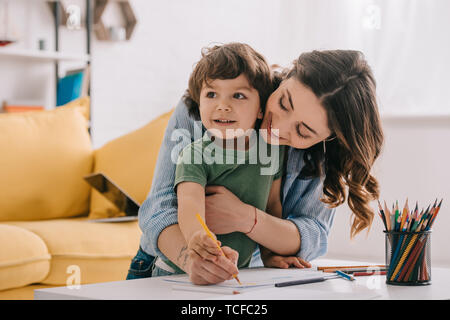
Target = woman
(325,110)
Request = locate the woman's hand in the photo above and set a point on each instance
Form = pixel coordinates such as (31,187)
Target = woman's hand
(226,213)
(271,260)
(203,271)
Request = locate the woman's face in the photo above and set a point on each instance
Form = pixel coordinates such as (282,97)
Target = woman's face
(294,117)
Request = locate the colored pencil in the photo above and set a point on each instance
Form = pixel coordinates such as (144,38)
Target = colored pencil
(353,270)
(359,274)
(345,276)
(414,258)
(408,259)
(334,268)
(389,216)
(397,218)
(382,216)
(435,214)
(404,215)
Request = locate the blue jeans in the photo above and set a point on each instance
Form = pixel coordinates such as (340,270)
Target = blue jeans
(143,266)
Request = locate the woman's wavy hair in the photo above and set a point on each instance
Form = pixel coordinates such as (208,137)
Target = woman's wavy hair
(345,85)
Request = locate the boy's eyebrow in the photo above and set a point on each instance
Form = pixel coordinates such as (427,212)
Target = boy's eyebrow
(243,88)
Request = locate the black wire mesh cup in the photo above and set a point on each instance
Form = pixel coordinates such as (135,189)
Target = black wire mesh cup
(408,258)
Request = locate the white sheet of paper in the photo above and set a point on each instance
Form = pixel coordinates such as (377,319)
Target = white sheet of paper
(253,278)
(296,293)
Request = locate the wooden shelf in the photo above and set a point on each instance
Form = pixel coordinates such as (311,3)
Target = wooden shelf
(415,117)
(47,55)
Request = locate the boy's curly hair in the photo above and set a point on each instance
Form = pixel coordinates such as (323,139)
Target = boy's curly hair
(229,61)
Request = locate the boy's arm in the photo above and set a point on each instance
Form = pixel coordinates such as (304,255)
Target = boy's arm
(191,200)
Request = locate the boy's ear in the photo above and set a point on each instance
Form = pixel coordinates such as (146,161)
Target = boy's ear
(260,114)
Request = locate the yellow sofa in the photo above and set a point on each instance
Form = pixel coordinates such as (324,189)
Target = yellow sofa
(47,237)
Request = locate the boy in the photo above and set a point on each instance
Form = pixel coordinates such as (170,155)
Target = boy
(228,90)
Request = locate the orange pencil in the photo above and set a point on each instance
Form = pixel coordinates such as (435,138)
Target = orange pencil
(388,216)
(404,215)
(205,227)
(334,268)
(435,213)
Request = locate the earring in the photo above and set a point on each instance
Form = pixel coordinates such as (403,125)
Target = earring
(324,145)
(260,114)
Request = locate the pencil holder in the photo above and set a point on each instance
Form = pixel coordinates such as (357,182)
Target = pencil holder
(408,258)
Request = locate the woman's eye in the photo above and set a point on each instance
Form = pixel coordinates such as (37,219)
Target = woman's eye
(210,94)
(239,96)
(280,102)
(300,134)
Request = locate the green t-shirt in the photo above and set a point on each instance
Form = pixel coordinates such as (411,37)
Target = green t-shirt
(246,173)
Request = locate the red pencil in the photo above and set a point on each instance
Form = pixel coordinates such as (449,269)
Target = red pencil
(358,274)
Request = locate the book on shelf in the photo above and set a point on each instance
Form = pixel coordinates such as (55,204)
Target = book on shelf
(10,106)
(72,86)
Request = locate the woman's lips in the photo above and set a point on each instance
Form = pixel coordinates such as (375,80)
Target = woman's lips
(269,129)
(272,136)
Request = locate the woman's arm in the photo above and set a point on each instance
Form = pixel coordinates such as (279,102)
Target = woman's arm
(303,231)
(278,235)
(274,207)
(159,210)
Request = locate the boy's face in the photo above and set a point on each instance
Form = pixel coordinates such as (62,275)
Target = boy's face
(229,105)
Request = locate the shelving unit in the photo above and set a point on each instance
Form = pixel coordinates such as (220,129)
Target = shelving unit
(49,56)
(56,56)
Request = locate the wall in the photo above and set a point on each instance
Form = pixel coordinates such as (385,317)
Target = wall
(136,81)
(414,164)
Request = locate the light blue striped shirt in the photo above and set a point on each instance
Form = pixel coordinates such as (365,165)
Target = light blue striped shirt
(300,198)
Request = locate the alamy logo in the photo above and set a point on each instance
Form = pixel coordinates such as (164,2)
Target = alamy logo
(74,280)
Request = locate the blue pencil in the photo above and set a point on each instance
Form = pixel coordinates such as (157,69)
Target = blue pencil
(345,276)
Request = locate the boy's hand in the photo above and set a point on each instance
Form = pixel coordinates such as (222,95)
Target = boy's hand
(271,260)
(203,272)
(204,246)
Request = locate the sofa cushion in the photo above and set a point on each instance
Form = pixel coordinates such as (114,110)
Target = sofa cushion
(44,156)
(23,293)
(99,251)
(81,104)
(129,161)
(24,258)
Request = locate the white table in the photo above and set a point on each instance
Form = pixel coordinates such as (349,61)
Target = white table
(366,287)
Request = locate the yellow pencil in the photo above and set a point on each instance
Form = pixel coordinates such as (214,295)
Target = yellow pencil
(205,227)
